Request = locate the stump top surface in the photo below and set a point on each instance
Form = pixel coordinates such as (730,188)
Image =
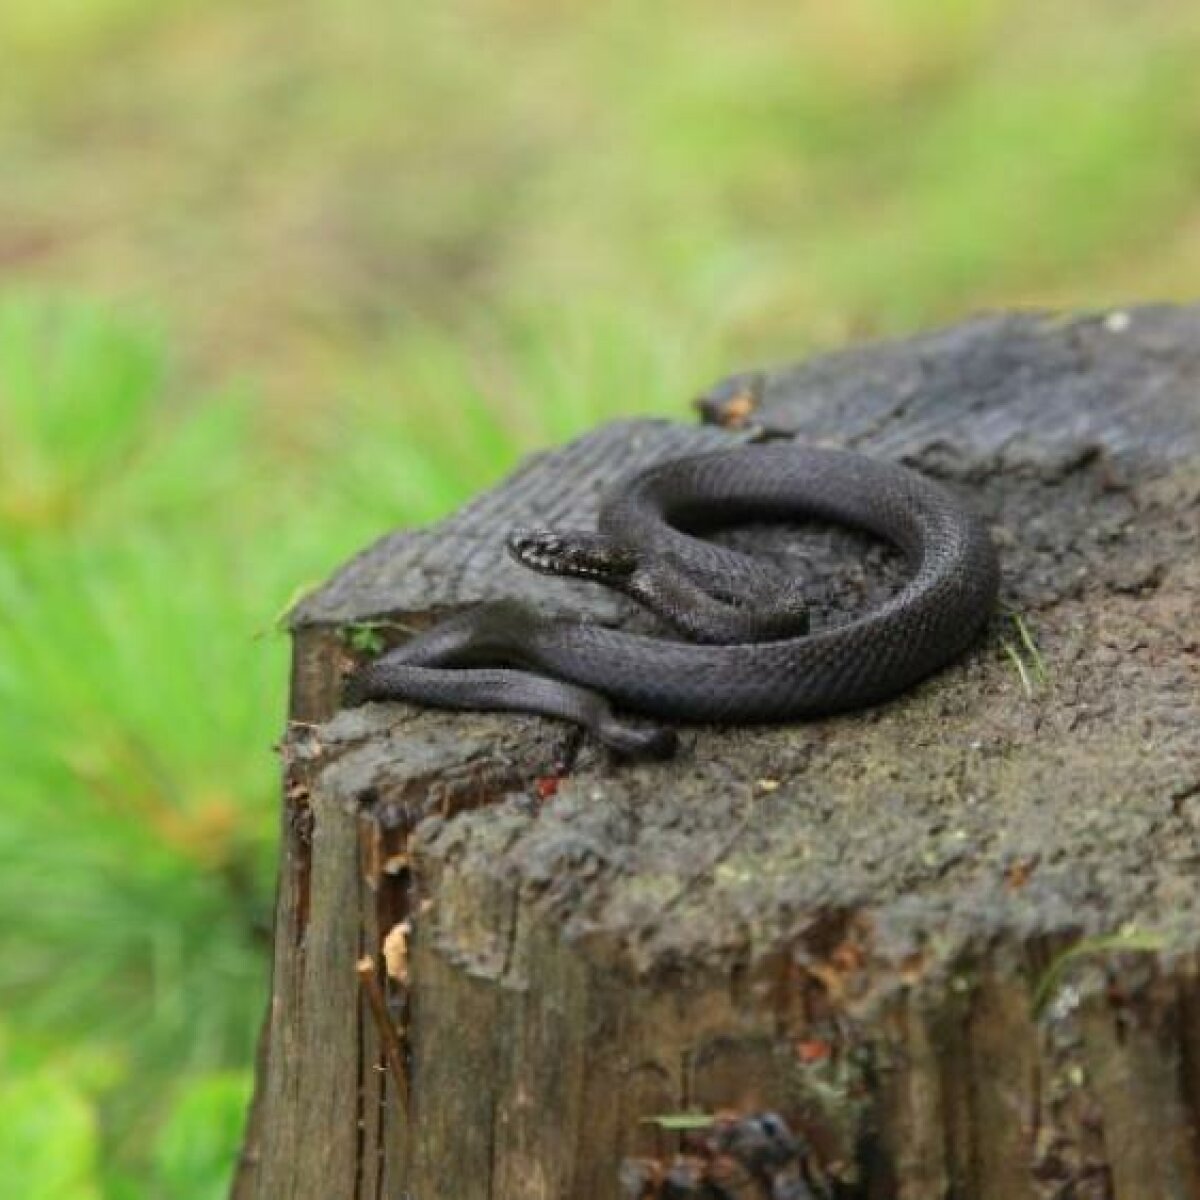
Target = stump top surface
(1048,784)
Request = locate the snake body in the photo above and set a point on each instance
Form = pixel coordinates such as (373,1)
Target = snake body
(744,653)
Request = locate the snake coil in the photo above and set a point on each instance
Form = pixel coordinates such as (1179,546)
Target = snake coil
(745,653)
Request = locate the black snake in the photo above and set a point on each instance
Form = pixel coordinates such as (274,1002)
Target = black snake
(748,656)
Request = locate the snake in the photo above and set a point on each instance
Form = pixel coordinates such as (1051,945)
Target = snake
(738,648)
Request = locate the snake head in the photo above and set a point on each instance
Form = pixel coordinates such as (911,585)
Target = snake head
(572,552)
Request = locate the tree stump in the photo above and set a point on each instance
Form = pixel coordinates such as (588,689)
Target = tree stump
(952,941)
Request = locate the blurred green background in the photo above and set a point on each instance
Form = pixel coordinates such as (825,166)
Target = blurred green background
(276,277)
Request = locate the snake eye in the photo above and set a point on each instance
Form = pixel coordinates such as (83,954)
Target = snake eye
(539,549)
(534,547)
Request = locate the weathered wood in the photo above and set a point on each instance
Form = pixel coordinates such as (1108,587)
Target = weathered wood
(955,941)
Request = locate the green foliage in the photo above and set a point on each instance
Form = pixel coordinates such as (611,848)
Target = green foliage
(49,1144)
(137,802)
(87,443)
(75,392)
(364,639)
(199,1143)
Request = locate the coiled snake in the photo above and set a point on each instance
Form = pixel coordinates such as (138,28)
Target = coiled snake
(747,654)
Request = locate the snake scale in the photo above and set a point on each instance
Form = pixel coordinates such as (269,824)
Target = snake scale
(743,651)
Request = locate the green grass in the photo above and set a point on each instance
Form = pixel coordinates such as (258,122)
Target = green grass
(137,824)
(1124,941)
(1025,656)
(279,277)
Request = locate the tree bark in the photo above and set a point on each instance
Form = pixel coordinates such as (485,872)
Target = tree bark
(952,941)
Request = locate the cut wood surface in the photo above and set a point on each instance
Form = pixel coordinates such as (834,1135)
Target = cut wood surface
(953,941)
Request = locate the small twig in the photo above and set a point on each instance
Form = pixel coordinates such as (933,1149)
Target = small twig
(393,1051)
